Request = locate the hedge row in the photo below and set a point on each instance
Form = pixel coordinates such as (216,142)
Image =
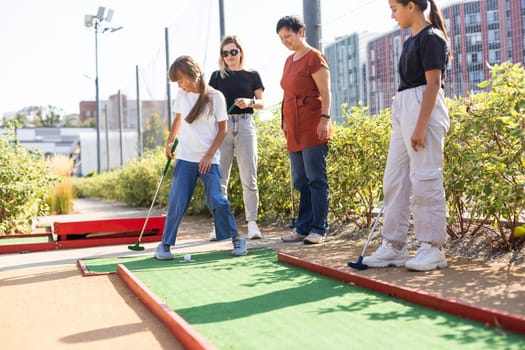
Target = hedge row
(484,164)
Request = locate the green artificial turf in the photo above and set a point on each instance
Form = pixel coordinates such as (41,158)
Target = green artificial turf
(254,302)
(25,240)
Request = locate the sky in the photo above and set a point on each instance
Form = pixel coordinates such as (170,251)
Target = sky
(48,54)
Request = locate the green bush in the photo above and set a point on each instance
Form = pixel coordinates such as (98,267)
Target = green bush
(25,181)
(483,167)
(485,155)
(356,163)
(273,175)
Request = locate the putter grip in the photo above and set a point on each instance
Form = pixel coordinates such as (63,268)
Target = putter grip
(231,108)
(175,143)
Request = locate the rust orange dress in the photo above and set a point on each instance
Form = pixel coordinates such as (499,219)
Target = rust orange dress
(301,108)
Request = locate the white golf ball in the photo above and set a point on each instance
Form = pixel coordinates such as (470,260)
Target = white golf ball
(187,257)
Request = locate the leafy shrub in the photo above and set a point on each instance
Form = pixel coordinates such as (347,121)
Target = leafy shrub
(485,155)
(24,180)
(484,164)
(274,179)
(356,162)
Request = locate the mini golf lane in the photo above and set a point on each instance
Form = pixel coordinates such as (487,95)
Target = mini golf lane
(258,302)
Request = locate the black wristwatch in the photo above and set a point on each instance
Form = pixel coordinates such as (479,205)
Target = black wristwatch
(327,116)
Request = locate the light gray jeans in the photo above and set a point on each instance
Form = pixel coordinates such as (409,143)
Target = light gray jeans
(241,142)
(415,177)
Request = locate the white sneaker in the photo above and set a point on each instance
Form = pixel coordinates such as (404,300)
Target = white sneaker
(427,258)
(213,237)
(253,230)
(387,255)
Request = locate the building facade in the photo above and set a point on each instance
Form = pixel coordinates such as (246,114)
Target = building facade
(481,33)
(346,83)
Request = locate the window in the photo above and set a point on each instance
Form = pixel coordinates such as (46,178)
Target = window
(492,17)
(473,39)
(494,56)
(473,58)
(475,76)
(473,19)
(493,36)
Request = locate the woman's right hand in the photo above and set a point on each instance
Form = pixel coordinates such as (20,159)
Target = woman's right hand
(243,102)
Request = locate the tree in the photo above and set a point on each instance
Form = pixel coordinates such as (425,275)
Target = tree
(48,116)
(155,131)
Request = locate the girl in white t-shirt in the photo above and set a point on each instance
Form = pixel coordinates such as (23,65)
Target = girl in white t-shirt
(200,126)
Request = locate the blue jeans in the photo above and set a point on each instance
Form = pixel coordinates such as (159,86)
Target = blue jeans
(183,184)
(310,179)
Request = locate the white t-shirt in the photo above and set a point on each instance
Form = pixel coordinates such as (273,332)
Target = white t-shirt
(196,138)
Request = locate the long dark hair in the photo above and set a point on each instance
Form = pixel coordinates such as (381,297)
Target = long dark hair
(436,17)
(187,66)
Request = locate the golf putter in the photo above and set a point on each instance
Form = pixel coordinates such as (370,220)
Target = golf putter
(359,263)
(137,246)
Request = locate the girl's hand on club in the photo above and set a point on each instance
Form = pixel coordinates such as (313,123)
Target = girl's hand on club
(169,154)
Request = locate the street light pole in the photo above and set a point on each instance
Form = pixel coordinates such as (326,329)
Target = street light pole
(97,97)
(94,21)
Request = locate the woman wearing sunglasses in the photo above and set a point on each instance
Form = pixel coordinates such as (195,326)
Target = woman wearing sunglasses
(243,90)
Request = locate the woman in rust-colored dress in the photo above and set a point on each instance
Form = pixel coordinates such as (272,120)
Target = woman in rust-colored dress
(307,127)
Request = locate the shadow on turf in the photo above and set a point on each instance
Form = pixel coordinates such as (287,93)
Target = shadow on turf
(314,288)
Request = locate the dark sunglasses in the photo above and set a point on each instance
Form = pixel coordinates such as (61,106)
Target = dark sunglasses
(233,52)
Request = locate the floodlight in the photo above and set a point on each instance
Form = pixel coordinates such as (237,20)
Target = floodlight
(109,15)
(88,20)
(100,13)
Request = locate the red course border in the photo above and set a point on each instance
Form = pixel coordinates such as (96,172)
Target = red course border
(191,339)
(182,330)
(492,317)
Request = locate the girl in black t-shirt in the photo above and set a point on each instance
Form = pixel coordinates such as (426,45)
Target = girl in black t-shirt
(243,90)
(413,173)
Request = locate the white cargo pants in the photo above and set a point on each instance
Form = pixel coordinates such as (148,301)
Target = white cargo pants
(415,177)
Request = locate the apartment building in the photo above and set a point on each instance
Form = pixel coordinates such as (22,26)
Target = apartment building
(481,33)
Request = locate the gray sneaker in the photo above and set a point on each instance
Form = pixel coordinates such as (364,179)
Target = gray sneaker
(239,246)
(386,255)
(163,252)
(253,230)
(314,238)
(213,236)
(427,258)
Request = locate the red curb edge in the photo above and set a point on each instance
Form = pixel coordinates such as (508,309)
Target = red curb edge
(85,270)
(488,316)
(182,330)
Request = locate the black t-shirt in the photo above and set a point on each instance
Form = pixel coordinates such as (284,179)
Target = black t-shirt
(425,51)
(237,84)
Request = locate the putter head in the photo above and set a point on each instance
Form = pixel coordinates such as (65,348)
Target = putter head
(136,247)
(358,265)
